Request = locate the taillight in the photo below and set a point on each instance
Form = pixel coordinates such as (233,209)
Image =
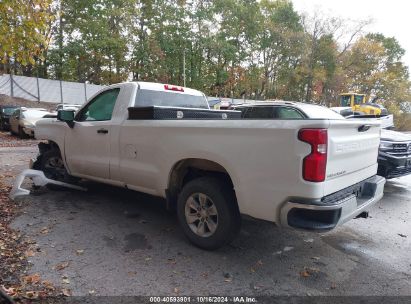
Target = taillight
(314,164)
(173,88)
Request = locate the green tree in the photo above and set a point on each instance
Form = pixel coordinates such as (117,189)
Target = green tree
(24,31)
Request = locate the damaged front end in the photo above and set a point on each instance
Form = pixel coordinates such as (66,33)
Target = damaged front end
(39,180)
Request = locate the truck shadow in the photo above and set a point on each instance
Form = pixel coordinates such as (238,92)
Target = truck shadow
(126,232)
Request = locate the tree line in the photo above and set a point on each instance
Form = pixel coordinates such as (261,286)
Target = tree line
(228,48)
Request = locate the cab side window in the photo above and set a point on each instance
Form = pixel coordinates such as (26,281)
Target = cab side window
(100,108)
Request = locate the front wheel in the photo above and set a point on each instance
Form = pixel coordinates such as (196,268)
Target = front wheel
(208,213)
(21,133)
(52,165)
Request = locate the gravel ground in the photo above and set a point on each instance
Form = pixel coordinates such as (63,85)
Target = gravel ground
(110,241)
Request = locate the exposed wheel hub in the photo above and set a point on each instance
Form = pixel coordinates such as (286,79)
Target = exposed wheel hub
(201,214)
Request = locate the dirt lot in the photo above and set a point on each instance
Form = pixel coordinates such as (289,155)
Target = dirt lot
(110,241)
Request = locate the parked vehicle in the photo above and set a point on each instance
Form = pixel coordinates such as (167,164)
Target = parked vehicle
(394,158)
(300,172)
(5,112)
(387,121)
(23,120)
(285,110)
(358,104)
(214,103)
(66,106)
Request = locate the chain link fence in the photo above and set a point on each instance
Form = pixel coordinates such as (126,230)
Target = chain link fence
(47,90)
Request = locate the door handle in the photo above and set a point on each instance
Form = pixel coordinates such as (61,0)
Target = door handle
(102,131)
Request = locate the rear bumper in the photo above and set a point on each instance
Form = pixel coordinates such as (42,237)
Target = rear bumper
(335,209)
(391,167)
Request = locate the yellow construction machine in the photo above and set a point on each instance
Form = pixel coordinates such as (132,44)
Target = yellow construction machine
(358,104)
(353,105)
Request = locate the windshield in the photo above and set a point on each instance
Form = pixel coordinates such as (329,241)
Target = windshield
(8,111)
(345,101)
(147,98)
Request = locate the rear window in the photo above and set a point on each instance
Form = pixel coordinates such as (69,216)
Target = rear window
(147,98)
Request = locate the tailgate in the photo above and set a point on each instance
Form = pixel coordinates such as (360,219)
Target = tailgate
(352,153)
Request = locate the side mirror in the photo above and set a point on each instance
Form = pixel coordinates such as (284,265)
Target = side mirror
(66,116)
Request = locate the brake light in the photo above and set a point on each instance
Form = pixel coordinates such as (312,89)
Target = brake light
(173,88)
(314,164)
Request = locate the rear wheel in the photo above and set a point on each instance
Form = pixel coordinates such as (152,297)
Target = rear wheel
(208,213)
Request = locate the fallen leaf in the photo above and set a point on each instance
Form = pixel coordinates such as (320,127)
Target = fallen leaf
(30,253)
(12,292)
(31,295)
(333,285)
(44,230)
(313,269)
(305,273)
(176,290)
(61,266)
(91,292)
(79,251)
(48,285)
(32,279)
(66,281)
(66,292)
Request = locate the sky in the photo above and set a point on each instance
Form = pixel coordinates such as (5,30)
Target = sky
(389,17)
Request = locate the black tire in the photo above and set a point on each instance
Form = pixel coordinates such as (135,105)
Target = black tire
(21,133)
(223,197)
(58,173)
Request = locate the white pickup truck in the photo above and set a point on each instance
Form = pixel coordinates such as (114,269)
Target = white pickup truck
(213,166)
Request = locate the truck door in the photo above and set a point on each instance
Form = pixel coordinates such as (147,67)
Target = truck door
(87,144)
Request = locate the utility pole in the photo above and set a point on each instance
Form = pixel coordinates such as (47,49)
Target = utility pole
(11,84)
(184,66)
(60,42)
